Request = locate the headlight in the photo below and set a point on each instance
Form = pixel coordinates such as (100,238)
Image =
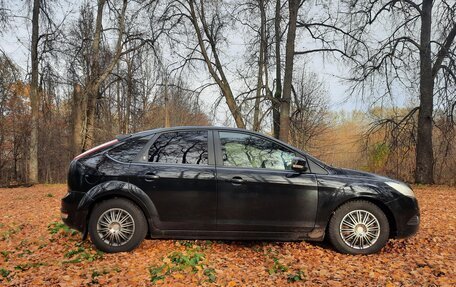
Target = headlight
(402,188)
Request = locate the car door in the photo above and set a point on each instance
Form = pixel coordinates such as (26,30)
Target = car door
(257,190)
(177,172)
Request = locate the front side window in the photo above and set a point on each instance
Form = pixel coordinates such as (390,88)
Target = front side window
(180,147)
(244,150)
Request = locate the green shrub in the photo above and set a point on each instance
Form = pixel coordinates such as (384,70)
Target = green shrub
(56,227)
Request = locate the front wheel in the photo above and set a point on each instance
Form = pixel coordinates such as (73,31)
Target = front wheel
(359,227)
(117,225)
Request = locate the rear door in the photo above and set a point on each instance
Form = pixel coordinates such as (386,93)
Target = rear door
(257,190)
(177,171)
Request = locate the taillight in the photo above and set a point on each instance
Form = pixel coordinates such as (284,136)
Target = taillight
(97,148)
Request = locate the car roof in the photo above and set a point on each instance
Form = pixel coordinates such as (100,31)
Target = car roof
(196,128)
(177,128)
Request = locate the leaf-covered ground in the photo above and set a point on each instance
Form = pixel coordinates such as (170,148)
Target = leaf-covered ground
(36,250)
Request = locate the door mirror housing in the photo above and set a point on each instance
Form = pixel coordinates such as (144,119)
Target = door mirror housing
(299,164)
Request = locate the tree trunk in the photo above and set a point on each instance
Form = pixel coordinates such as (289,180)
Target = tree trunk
(89,125)
(76,120)
(34,96)
(293,6)
(261,61)
(167,118)
(119,104)
(424,151)
(129,95)
(93,85)
(278,90)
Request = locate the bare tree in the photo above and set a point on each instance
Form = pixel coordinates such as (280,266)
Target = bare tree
(103,60)
(4,13)
(309,110)
(8,77)
(262,66)
(207,31)
(256,94)
(421,42)
(278,67)
(34,95)
(77,108)
(194,32)
(293,7)
(97,76)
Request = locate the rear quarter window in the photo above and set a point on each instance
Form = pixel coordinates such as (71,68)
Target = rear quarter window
(128,151)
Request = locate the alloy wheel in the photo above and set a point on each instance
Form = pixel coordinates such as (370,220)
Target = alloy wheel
(359,229)
(115,227)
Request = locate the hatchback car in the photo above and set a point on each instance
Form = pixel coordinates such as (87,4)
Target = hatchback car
(225,183)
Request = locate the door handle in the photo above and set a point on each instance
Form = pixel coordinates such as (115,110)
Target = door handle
(150,176)
(237,180)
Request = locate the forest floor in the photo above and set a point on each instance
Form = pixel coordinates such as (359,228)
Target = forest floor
(37,250)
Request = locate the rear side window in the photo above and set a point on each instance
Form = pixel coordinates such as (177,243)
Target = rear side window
(180,147)
(128,151)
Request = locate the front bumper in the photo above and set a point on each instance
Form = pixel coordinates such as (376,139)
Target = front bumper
(70,214)
(407,216)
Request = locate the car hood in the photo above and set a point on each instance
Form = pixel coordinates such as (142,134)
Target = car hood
(356,173)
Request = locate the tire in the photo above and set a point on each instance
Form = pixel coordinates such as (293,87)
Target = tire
(359,227)
(117,225)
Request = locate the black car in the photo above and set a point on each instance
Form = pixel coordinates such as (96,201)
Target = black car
(225,183)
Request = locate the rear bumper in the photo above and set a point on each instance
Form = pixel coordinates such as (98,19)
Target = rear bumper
(70,214)
(407,216)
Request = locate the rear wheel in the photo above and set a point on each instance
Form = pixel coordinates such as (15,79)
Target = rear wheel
(117,225)
(359,227)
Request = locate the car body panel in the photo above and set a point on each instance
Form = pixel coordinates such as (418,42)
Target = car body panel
(266,200)
(185,195)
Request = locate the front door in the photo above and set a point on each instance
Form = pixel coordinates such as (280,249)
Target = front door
(178,173)
(257,190)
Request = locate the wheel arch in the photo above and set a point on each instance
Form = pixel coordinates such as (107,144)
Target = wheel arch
(119,189)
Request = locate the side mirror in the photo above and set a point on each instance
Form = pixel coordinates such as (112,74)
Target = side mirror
(299,164)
